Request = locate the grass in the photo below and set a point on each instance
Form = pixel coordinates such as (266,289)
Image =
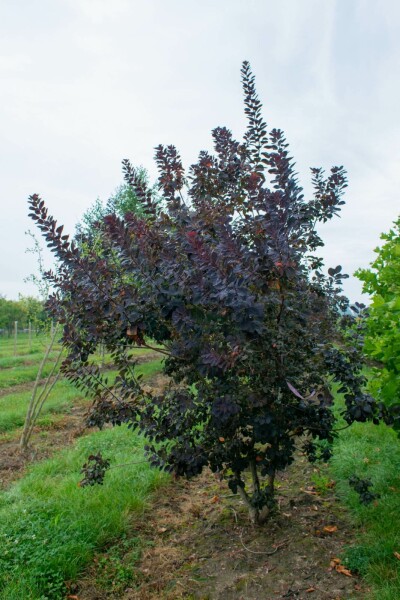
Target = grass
(26,373)
(150,368)
(372,452)
(15,370)
(23,346)
(13,406)
(22,374)
(50,528)
(8,362)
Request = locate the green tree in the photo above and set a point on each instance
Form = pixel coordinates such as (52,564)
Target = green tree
(123,201)
(11,311)
(382,328)
(34,311)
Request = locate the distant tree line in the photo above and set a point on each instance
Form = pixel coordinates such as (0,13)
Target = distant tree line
(24,310)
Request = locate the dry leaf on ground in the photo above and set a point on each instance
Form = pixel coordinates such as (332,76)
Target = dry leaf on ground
(330,528)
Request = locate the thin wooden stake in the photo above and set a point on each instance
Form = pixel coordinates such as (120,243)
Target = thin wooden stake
(15,337)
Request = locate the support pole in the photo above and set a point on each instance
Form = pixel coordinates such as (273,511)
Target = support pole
(15,337)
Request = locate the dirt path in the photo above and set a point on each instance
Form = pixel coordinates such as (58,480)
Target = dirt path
(213,552)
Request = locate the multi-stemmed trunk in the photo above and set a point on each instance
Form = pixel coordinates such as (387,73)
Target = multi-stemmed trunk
(257,516)
(39,396)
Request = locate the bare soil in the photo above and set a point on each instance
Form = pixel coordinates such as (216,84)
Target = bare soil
(198,544)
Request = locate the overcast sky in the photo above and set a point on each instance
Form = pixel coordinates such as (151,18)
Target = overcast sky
(86,83)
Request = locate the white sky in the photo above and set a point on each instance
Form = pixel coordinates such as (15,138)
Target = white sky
(86,83)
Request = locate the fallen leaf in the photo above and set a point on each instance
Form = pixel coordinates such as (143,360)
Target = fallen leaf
(342,569)
(330,528)
(397,555)
(311,589)
(336,561)
(161,530)
(214,499)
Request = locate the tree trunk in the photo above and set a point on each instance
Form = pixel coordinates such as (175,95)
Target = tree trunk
(254,513)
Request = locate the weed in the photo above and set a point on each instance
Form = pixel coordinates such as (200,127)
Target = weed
(115,568)
(322,483)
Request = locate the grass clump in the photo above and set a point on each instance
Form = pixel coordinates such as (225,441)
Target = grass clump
(50,528)
(114,571)
(372,452)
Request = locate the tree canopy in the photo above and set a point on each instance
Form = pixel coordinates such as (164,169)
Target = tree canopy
(382,326)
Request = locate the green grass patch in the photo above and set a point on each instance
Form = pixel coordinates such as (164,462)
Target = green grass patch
(23,369)
(50,528)
(37,345)
(13,406)
(114,571)
(10,362)
(150,368)
(22,374)
(64,395)
(372,452)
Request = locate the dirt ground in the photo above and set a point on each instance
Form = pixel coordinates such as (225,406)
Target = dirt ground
(199,544)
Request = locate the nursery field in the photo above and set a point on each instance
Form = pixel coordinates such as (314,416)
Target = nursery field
(141,535)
